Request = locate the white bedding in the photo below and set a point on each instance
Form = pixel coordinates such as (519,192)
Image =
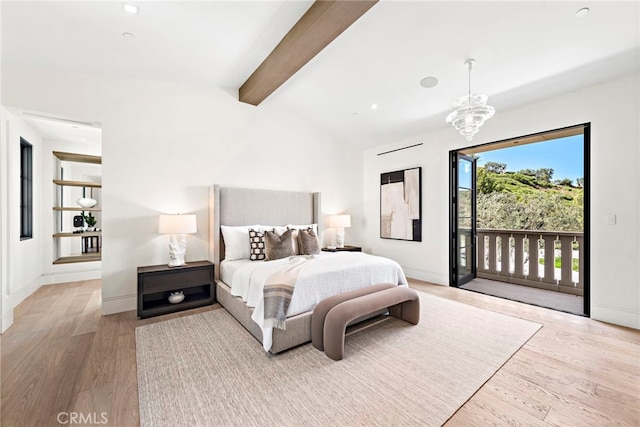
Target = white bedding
(329,273)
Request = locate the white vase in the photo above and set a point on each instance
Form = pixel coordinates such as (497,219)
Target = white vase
(86,202)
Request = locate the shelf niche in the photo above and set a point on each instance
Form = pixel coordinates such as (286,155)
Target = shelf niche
(77,175)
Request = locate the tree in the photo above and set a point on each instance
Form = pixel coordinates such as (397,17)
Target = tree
(580,182)
(564,181)
(544,175)
(529,211)
(528,172)
(487,183)
(495,167)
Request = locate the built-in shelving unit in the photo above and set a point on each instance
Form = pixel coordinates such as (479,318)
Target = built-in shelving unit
(60,208)
(77,183)
(84,234)
(91,240)
(79,258)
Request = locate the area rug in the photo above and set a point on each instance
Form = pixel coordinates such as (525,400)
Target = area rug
(207,370)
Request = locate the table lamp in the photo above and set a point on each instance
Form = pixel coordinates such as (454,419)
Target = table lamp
(339,222)
(177,226)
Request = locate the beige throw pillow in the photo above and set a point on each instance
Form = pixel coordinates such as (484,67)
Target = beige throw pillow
(277,247)
(308,242)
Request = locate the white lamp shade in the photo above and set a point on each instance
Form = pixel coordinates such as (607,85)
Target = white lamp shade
(340,221)
(177,224)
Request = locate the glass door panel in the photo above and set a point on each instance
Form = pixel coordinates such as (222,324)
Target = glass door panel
(463,257)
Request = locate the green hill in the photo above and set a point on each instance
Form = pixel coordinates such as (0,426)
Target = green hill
(527,200)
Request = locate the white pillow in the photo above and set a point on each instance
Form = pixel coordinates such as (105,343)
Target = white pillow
(236,241)
(279,228)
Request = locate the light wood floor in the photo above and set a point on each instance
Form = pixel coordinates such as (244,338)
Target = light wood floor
(62,356)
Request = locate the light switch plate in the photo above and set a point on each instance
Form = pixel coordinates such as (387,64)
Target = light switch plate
(610,219)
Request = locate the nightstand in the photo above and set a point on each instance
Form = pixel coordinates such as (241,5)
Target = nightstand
(346,248)
(156,282)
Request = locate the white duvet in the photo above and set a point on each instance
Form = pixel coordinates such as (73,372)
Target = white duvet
(328,273)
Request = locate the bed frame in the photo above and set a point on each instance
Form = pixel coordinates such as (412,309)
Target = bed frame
(241,206)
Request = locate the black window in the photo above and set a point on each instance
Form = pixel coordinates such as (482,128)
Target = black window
(26,190)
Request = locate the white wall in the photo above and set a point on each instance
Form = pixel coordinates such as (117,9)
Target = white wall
(22,263)
(613,110)
(164,143)
(4,226)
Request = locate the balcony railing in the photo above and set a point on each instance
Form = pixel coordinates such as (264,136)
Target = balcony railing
(543,259)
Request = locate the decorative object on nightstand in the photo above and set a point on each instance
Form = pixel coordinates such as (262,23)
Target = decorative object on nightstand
(345,248)
(176,297)
(177,226)
(339,222)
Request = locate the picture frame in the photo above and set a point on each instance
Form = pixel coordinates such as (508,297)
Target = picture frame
(401,205)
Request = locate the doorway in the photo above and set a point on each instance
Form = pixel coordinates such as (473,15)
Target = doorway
(516,232)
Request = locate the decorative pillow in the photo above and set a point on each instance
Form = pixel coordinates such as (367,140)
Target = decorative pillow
(256,245)
(279,229)
(304,227)
(308,242)
(296,241)
(235,241)
(277,247)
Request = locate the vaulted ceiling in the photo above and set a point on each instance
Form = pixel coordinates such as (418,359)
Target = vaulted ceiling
(525,51)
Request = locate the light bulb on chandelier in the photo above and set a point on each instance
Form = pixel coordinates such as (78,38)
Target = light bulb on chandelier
(470,111)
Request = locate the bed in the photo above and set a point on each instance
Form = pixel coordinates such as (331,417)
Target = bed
(239,281)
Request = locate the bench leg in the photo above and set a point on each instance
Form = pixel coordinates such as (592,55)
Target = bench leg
(334,334)
(409,311)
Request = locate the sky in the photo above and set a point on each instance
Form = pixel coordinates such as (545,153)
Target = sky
(563,155)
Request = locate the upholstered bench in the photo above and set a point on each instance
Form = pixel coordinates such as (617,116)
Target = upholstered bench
(402,302)
(320,312)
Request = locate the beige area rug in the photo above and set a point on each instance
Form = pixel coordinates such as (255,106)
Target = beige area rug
(207,370)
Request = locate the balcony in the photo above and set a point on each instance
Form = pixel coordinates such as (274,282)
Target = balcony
(550,260)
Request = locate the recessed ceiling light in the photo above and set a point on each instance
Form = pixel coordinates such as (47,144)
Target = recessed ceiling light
(429,82)
(131,8)
(128,35)
(582,12)
(373,106)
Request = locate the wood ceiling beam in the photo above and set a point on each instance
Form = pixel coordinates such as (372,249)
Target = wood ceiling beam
(320,25)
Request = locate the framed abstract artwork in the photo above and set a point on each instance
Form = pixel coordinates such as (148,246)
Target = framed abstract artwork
(401,205)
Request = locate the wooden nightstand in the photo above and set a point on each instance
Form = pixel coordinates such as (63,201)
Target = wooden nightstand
(346,248)
(156,282)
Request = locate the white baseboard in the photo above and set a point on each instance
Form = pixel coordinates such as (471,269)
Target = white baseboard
(119,304)
(426,276)
(6,321)
(23,293)
(71,276)
(615,315)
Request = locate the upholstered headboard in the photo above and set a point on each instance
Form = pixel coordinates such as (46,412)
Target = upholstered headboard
(244,206)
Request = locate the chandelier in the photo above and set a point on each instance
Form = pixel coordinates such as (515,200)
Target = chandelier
(470,111)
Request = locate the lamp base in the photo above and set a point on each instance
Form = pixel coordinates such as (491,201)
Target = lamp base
(177,250)
(178,262)
(340,237)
